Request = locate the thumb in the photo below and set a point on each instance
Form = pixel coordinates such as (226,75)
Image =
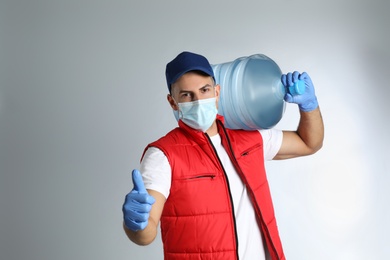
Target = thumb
(288,98)
(138,182)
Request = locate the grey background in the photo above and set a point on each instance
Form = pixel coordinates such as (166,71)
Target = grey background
(82,91)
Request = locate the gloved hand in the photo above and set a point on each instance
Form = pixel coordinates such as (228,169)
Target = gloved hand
(308,100)
(137,205)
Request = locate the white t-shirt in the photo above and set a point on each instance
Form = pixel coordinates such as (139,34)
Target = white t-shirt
(156,173)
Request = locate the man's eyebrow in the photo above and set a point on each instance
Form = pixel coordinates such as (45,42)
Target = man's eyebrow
(189,91)
(184,91)
(205,86)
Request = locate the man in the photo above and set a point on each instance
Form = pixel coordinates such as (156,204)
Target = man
(205,183)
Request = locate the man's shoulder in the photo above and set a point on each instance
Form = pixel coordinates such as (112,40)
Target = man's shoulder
(170,137)
(242,132)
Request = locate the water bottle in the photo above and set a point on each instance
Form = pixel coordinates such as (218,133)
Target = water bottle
(252,93)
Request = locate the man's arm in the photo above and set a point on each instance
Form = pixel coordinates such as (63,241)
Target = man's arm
(309,136)
(142,211)
(306,140)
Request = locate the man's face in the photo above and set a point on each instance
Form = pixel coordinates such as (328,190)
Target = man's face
(192,86)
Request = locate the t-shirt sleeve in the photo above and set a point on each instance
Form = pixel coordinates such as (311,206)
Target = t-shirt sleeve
(272,141)
(156,171)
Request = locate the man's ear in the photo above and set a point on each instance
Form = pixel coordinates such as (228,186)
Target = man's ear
(217,90)
(217,93)
(172,102)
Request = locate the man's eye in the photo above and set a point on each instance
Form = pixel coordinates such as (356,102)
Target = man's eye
(205,90)
(185,96)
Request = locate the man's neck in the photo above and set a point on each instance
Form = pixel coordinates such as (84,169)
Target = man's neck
(213,130)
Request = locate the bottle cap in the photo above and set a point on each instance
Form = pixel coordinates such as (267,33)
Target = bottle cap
(298,88)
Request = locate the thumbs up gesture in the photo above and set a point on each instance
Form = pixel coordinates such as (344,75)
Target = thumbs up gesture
(137,205)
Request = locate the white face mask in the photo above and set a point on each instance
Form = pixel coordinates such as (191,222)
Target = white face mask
(199,114)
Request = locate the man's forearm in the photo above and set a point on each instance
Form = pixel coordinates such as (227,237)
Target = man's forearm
(142,237)
(311,129)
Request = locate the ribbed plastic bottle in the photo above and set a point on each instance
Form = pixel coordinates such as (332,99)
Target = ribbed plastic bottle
(252,93)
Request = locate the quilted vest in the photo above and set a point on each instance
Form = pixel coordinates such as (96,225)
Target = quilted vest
(198,220)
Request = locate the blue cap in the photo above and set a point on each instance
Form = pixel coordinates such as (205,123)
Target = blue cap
(185,62)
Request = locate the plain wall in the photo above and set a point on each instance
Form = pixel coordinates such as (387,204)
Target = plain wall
(82,91)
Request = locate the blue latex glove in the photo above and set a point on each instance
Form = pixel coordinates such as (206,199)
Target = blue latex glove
(307,101)
(138,204)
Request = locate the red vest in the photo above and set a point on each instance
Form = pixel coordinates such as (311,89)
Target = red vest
(198,218)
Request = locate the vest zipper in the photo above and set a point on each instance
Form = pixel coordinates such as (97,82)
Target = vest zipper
(206,176)
(251,192)
(230,194)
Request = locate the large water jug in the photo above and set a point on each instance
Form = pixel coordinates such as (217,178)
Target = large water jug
(252,93)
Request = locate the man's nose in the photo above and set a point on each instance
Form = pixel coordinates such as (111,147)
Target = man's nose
(195,97)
